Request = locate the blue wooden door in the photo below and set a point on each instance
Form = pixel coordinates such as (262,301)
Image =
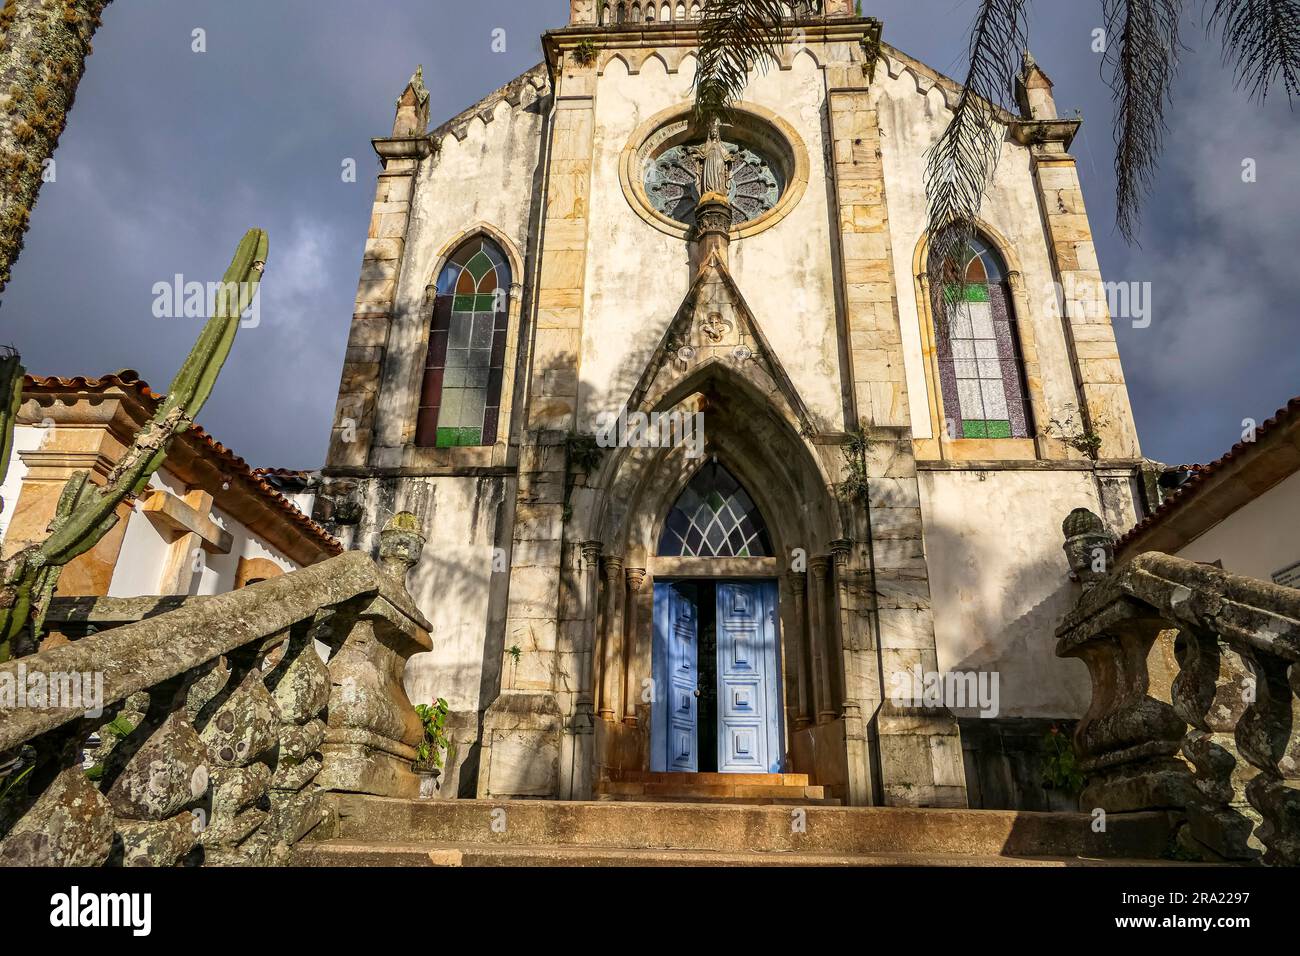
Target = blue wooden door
(674,729)
(749,694)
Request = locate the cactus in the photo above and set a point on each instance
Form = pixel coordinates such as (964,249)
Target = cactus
(11,396)
(86,512)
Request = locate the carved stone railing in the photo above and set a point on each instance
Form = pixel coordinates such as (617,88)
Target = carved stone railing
(1233,716)
(221,722)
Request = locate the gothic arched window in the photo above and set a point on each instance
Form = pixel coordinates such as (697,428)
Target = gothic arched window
(715,518)
(980,369)
(460,400)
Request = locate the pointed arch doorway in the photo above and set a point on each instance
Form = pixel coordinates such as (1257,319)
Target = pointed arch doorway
(715,653)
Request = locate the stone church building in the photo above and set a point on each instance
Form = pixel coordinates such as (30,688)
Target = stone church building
(708,471)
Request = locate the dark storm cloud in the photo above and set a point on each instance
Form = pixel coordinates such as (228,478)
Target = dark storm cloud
(170,155)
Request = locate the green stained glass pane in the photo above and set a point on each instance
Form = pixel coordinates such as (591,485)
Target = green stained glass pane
(484,303)
(715,501)
(456,437)
(971,293)
(479,266)
(974,429)
(464,303)
(1000,429)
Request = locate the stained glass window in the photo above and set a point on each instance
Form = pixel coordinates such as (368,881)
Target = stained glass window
(980,368)
(715,517)
(672,187)
(460,400)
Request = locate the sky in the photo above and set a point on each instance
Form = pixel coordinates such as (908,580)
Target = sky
(171,154)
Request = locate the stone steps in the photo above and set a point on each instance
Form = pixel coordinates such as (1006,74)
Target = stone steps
(781,801)
(784,789)
(335,853)
(527,829)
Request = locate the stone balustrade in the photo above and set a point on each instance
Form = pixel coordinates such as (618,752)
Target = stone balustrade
(219,723)
(1225,749)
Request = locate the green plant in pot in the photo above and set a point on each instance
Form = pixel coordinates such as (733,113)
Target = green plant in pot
(429,752)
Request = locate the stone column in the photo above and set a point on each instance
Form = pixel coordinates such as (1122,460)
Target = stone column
(358,408)
(611,677)
(526,717)
(1104,400)
(591,617)
(635,578)
(712,230)
(799,588)
(821,644)
(920,749)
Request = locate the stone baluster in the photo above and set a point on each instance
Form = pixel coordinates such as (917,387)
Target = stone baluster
(799,588)
(300,687)
(1268,735)
(239,727)
(1211,692)
(612,639)
(154,774)
(1127,741)
(635,578)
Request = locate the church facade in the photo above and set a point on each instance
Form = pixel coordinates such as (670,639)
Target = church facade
(712,479)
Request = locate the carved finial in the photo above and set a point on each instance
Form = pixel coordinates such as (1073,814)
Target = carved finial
(400,545)
(1089,547)
(412,107)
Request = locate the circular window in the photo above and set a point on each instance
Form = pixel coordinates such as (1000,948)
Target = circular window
(766,169)
(672,182)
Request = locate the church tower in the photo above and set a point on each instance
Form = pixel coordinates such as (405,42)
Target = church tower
(712,480)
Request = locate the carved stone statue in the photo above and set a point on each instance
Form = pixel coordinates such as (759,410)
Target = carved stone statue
(714,161)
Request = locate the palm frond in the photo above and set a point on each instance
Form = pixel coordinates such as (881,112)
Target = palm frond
(1141,60)
(960,165)
(1261,38)
(736,37)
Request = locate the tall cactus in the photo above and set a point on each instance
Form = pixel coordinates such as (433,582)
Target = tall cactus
(11,396)
(86,511)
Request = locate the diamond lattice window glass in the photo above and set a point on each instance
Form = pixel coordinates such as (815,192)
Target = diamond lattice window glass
(980,370)
(715,518)
(460,400)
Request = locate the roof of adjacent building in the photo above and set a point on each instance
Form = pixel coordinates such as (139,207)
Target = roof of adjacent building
(233,467)
(1216,490)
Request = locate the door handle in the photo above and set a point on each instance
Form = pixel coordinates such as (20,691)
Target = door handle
(697,692)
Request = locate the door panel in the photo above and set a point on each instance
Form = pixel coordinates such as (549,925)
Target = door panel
(749,713)
(674,728)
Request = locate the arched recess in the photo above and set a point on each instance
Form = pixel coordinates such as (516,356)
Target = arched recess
(756,437)
(418,454)
(946,446)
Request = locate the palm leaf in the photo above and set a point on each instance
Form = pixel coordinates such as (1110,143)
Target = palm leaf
(1141,59)
(960,165)
(1262,39)
(736,36)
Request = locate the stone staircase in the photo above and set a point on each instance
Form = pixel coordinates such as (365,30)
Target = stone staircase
(754,789)
(384,831)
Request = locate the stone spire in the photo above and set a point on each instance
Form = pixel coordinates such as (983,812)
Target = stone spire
(1033,90)
(412,107)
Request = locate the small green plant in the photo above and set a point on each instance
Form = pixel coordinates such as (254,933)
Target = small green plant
(515,653)
(582,454)
(855,486)
(585,53)
(435,741)
(1072,433)
(1060,762)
